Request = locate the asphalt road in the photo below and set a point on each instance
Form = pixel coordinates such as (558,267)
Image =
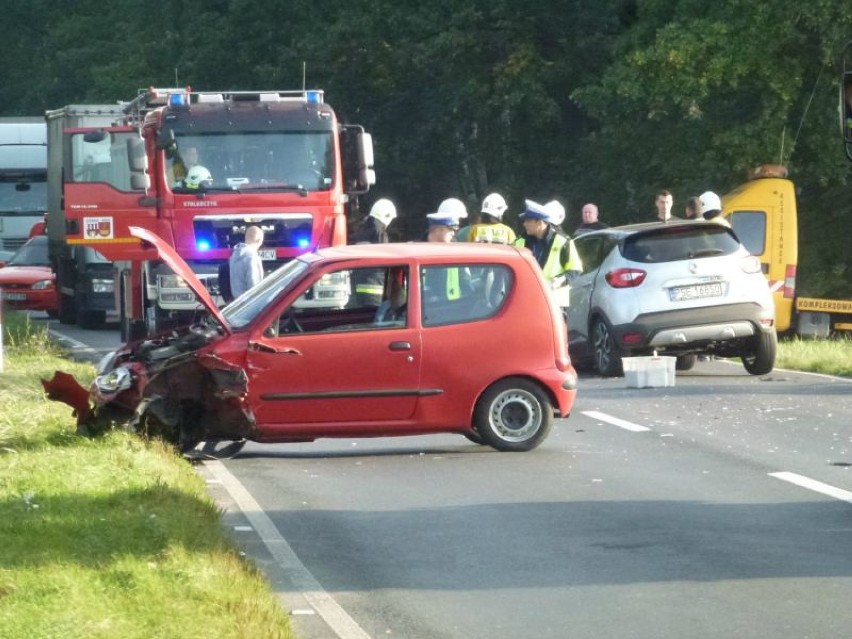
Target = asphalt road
(713,522)
(721,507)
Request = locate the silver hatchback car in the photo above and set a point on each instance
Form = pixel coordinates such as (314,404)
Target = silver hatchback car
(678,288)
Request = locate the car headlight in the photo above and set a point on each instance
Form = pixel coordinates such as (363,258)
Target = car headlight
(102,286)
(106,363)
(42,284)
(172,281)
(114,381)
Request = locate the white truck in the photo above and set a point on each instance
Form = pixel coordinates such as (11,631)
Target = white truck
(23,178)
(84,277)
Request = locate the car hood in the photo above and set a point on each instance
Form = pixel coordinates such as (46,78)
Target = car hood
(176,263)
(24,274)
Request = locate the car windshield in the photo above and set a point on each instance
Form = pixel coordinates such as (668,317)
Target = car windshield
(33,253)
(675,243)
(294,160)
(250,304)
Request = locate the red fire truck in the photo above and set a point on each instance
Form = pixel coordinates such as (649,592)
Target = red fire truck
(198,168)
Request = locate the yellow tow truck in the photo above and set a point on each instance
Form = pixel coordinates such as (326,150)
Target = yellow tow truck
(763,214)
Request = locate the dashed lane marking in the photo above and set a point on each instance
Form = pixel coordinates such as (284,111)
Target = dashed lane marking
(615,421)
(813,484)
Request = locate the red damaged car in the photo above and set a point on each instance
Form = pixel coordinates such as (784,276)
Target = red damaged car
(27,281)
(463,338)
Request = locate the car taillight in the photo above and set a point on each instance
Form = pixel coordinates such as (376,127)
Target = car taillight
(790,282)
(750,264)
(625,277)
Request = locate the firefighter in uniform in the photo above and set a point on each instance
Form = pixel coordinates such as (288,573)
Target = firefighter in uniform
(369,283)
(553,250)
(491,229)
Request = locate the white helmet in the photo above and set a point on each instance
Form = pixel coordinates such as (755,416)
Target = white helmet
(197,177)
(555,211)
(494,205)
(710,201)
(452,207)
(449,212)
(384,211)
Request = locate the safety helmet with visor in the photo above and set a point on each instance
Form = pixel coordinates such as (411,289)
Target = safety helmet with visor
(198,177)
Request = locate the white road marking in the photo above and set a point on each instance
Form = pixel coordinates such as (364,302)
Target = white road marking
(73,342)
(615,421)
(334,615)
(813,484)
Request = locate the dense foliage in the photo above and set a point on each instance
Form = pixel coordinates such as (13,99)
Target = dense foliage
(601,100)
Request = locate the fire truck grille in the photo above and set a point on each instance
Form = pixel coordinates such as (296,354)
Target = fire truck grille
(290,231)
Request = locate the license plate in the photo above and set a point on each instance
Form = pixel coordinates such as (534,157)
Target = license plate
(699,291)
(15,297)
(267,254)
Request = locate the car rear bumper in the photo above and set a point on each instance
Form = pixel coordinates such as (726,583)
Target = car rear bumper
(702,325)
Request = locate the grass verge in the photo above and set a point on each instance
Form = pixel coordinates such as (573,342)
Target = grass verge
(108,537)
(831,356)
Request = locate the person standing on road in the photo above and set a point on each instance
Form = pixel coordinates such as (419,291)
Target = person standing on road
(693,209)
(374,227)
(245,263)
(664,204)
(444,222)
(368,284)
(712,207)
(554,251)
(445,283)
(491,228)
(590,220)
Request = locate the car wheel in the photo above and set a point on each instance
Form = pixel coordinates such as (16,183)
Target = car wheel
(685,362)
(222,449)
(473,436)
(762,358)
(513,415)
(67,309)
(91,319)
(606,351)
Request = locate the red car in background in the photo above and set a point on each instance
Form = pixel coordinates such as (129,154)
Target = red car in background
(27,281)
(467,339)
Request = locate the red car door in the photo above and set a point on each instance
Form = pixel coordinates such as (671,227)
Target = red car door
(342,377)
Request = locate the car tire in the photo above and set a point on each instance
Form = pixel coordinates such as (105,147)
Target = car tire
(513,415)
(221,449)
(473,436)
(91,319)
(762,358)
(67,309)
(606,352)
(685,362)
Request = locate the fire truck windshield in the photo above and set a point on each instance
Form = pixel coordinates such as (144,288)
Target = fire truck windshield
(241,161)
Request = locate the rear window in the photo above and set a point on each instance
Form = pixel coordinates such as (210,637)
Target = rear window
(679,243)
(460,293)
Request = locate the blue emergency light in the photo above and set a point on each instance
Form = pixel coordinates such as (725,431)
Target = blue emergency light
(203,244)
(178,99)
(313,97)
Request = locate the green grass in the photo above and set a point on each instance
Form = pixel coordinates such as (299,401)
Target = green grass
(833,357)
(108,537)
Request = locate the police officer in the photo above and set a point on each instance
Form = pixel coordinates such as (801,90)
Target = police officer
(445,283)
(444,222)
(491,229)
(369,283)
(554,251)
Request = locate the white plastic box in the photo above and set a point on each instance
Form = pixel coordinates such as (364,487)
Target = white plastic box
(649,372)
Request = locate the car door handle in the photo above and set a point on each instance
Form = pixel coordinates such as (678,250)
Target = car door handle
(400,346)
(268,348)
